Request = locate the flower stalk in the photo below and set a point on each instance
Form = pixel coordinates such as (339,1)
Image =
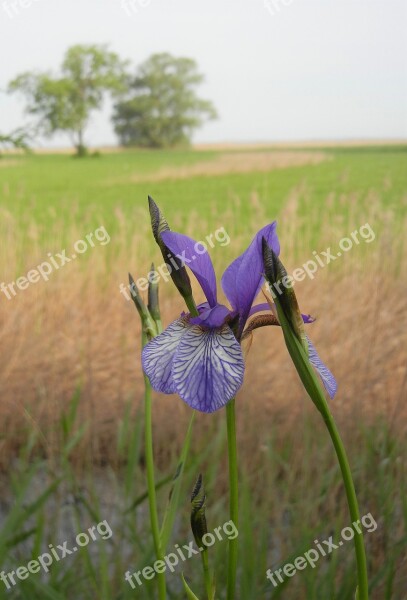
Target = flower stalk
(233,497)
(152,497)
(289,318)
(150,329)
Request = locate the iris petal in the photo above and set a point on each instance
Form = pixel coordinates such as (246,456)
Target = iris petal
(308,318)
(243,278)
(158,355)
(190,253)
(208,368)
(259,308)
(327,378)
(212,317)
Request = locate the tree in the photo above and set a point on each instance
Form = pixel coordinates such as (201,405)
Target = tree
(163,108)
(65,103)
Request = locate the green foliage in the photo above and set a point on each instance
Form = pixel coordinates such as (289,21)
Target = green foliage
(64,103)
(272,534)
(98,188)
(163,108)
(19,138)
(190,594)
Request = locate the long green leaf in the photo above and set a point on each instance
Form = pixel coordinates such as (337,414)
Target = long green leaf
(189,592)
(142,497)
(169,517)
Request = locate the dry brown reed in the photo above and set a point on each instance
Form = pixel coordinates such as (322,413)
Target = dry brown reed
(78,331)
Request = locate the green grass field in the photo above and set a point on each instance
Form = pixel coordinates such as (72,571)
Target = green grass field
(72,459)
(56,188)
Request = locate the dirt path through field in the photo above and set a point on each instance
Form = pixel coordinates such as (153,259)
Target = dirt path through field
(235,162)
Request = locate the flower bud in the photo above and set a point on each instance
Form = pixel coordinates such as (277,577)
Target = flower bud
(153,301)
(198,518)
(177,271)
(149,326)
(282,291)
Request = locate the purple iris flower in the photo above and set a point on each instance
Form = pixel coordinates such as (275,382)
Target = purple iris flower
(200,358)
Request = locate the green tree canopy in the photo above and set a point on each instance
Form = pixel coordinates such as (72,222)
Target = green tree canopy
(65,103)
(162,108)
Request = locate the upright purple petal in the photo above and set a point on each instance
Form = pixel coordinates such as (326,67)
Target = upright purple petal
(157,356)
(208,367)
(327,378)
(192,255)
(242,280)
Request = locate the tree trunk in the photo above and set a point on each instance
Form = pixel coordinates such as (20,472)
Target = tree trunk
(81,149)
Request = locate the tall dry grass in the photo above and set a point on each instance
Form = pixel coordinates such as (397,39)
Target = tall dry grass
(78,331)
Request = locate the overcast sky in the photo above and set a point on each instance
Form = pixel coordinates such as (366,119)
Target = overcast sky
(292,70)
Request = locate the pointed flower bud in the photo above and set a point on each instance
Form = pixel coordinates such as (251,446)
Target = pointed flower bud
(149,326)
(301,351)
(177,270)
(198,518)
(153,301)
(282,291)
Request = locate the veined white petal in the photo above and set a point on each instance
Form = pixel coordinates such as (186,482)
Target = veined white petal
(208,367)
(158,355)
(328,379)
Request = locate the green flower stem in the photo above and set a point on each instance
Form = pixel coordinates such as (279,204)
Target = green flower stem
(314,389)
(234,499)
(319,399)
(363,586)
(207,575)
(190,302)
(152,498)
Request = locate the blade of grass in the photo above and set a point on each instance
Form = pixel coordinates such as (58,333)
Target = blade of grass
(169,517)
